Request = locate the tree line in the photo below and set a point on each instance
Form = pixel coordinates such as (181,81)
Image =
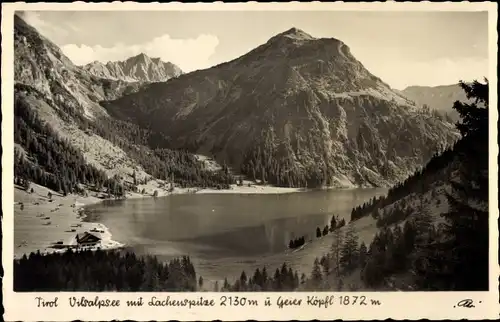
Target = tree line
(276,165)
(148,148)
(49,160)
(413,252)
(108,270)
(275,161)
(437,170)
(102,271)
(407,253)
(445,256)
(335,223)
(63,166)
(344,256)
(284,279)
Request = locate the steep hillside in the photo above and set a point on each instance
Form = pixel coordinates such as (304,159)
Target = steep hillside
(440,98)
(296,111)
(47,82)
(433,227)
(40,64)
(140,68)
(56,99)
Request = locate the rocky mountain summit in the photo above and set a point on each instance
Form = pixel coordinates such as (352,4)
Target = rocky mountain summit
(295,111)
(140,68)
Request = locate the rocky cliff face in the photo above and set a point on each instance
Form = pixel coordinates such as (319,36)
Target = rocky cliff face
(41,65)
(64,96)
(296,111)
(140,68)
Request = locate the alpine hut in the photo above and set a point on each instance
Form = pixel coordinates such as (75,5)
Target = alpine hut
(87,239)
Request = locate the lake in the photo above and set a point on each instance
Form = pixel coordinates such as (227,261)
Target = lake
(221,227)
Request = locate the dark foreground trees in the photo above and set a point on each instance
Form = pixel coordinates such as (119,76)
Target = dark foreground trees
(49,160)
(102,271)
(411,251)
(452,256)
(105,271)
(297,242)
(460,258)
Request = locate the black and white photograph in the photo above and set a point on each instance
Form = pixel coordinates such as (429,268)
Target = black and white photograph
(251,151)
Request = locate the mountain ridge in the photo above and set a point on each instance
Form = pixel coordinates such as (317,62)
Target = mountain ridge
(138,68)
(52,95)
(274,98)
(439,98)
(41,64)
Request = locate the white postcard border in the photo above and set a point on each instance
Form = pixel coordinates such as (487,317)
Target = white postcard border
(396,305)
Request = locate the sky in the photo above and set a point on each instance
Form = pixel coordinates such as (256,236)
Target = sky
(402,48)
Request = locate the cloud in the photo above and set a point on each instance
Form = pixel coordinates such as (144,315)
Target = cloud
(189,54)
(47,29)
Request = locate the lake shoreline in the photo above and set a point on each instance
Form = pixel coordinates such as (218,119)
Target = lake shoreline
(71,211)
(220,253)
(33,232)
(40,221)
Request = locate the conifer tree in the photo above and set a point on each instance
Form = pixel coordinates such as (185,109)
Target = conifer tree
(363,253)
(333,224)
(200,282)
(303,278)
(26,185)
(216,286)
(460,259)
(226,287)
(349,250)
(316,273)
(243,280)
(336,253)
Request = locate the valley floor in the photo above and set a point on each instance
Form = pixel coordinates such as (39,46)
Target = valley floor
(40,222)
(33,232)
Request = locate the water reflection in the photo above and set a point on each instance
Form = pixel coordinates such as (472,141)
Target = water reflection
(224,225)
(270,237)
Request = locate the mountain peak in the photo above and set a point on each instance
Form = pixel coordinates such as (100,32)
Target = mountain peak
(140,57)
(140,67)
(295,33)
(292,36)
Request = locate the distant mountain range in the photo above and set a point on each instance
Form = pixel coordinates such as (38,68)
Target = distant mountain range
(440,98)
(295,111)
(140,68)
